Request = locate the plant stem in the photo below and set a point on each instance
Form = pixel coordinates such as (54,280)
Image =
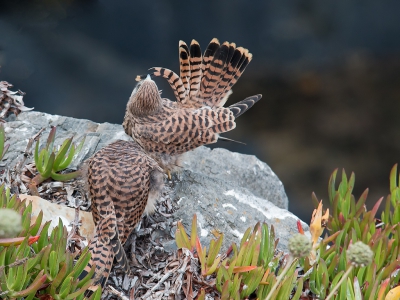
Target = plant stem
(38,179)
(345,275)
(280,277)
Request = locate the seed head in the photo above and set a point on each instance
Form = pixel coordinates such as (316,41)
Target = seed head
(360,254)
(10,223)
(300,245)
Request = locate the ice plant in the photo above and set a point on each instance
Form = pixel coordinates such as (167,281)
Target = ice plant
(359,255)
(299,247)
(49,161)
(208,260)
(36,263)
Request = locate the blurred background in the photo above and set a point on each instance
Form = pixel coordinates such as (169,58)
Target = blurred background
(329,72)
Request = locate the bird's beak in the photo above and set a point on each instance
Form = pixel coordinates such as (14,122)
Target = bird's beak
(144,77)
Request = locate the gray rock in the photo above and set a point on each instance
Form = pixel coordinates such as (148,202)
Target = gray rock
(27,124)
(228,191)
(238,170)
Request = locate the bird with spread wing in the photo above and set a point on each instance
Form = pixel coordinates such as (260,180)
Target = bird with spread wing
(125,177)
(166,129)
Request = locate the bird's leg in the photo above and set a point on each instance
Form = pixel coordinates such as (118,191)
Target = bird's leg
(169,174)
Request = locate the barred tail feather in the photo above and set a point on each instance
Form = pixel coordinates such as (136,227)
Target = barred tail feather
(213,72)
(206,80)
(104,247)
(238,65)
(241,107)
(243,63)
(196,72)
(225,78)
(102,258)
(120,256)
(184,66)
(212,48)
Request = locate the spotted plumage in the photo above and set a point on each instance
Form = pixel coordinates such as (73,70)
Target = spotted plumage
(123,183)
(167,129)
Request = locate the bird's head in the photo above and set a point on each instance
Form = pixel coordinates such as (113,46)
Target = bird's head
(145,98)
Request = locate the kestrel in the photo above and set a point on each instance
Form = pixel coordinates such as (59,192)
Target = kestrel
(124,182)
(166,129)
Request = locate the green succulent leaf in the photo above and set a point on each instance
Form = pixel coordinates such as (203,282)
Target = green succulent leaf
(67,159)
(87,278)
(215,247)
(34,229)
(66,176)
(20,278)
(79,292)
(61,155)
(66,287)
(96,295)
(58,279)
(35,285)
(35,260)
(182,239)
(81,263)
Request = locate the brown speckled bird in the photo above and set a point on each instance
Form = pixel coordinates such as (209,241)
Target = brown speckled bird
(124,182)
(166,129)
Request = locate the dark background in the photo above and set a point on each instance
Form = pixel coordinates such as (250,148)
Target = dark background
(329,72)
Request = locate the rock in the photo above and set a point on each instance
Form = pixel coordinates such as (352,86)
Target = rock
(238,170)
(228,191)
(27,124)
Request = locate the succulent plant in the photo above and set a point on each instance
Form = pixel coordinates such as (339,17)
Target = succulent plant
(49,161)
(246,269)
(38,265)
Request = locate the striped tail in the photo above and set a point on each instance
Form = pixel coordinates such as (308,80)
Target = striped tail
(105,247)
(120,256)
(102,258)
(206,80)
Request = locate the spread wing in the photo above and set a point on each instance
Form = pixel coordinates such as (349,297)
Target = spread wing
(188,126)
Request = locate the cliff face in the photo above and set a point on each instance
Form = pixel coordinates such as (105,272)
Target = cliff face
(228,191)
